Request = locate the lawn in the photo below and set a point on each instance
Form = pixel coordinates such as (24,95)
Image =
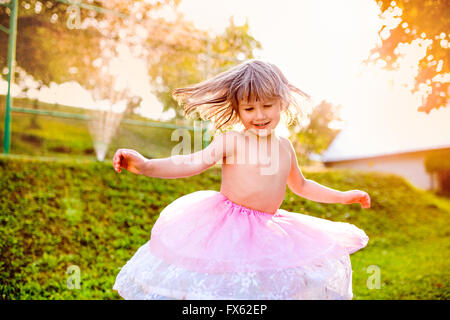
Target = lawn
(56,214)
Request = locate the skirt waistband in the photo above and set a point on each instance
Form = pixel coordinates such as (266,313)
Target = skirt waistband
(243,208)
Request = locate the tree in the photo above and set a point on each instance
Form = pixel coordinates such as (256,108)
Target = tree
(176,52)
(45,49)
(192,56)
(415,20)
(317,135)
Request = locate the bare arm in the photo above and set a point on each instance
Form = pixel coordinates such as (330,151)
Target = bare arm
(180,166)
(309,189)
(314,191)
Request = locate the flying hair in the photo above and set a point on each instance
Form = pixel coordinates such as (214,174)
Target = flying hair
(217,99)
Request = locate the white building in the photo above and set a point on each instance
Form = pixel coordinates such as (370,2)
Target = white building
(395,145)
(409,164)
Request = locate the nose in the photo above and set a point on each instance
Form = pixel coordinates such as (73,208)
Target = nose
(260,114)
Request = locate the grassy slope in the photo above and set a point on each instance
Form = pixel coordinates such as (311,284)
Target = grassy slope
(63,137)
(54,214)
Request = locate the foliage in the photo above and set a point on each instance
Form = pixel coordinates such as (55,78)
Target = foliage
(56,214)
(45,48)
(55,46)
(419,20)
(317,135)
(192,58)
(437,161)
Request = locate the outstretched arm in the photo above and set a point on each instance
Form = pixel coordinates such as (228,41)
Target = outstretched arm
(314,191)
(178,166)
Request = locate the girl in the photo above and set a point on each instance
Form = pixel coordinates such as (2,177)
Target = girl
(238,243)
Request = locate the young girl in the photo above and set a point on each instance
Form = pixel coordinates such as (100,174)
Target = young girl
(238,243)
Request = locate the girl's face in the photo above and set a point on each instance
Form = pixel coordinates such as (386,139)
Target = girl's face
(260,117)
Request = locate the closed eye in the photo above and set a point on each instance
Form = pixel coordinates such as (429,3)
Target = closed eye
(267,105)
(249,109)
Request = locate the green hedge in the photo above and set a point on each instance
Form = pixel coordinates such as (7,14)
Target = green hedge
(437,161)
(55,214)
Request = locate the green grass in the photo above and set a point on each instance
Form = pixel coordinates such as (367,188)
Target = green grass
(50,136)
(59,213)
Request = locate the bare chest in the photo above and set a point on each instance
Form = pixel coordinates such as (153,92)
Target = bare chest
(268,158)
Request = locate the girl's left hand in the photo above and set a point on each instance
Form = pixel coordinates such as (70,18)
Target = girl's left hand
(357,196)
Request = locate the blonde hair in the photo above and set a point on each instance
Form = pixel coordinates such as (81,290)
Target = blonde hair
(217,99)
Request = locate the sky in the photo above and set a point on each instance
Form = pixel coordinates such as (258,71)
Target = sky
(316,44)
(319,45)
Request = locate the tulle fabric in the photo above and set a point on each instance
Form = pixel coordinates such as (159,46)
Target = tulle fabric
(204,246)
(147,277)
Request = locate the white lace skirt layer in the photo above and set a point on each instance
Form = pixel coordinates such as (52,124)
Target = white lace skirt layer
(146,277)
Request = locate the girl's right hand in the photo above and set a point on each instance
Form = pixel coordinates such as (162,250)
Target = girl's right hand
(128,159)
(357,196)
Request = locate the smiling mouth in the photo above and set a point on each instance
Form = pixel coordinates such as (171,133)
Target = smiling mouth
(262,125)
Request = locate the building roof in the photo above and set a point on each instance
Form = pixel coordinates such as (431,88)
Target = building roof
(377,135)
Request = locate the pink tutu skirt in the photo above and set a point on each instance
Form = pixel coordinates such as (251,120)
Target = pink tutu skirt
(204,246)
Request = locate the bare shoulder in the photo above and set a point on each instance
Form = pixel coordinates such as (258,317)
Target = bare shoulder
(287,144)
(226,141)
